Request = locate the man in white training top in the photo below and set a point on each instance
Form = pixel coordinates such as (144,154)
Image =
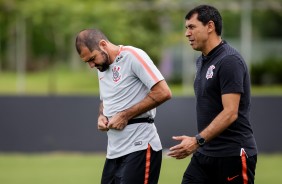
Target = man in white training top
(131,87)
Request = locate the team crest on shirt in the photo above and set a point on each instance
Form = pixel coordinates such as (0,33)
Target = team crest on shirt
(119,58)
(210,72)
(116,73)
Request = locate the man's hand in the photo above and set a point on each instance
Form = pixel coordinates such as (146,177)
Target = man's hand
(118,121)
(187,146)
(102,123)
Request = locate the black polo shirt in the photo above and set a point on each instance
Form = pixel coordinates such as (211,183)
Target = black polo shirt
(224,71)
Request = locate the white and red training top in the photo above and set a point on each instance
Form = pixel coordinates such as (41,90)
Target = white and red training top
(127,81)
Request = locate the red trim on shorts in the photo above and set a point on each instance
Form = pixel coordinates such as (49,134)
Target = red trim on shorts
(148,163)
(143,62)
(244,166)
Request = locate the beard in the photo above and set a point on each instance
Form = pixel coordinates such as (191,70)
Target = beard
(106,63)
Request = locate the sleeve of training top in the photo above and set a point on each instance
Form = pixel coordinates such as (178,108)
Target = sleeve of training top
(144,68)
(232,74)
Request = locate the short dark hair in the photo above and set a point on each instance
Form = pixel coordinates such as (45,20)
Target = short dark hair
(205,14)
(89,38)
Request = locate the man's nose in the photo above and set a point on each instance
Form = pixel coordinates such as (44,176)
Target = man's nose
(91,64)
(187,33)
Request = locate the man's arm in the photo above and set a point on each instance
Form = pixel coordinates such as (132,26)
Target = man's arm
(102,120)
(221,122)
(159,93)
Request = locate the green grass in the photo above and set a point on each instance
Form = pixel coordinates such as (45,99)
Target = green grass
(59,82)
(74,168)
(63,81)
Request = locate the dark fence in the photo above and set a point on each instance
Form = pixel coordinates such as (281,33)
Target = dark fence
(59,123)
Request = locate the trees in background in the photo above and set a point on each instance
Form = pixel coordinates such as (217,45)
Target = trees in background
(44,31)
(38,34)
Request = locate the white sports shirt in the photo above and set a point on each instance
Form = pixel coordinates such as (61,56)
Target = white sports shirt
(127,81)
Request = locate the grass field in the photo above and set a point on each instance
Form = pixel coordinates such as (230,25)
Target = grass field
(78,168)
(63,81)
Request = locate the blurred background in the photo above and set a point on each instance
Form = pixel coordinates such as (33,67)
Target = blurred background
(49,98)
(37,53)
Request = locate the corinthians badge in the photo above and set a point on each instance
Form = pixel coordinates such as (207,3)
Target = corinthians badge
(210,72)
(116,73)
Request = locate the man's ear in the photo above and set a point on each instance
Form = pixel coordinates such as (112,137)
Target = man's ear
(211,26)
(103,44)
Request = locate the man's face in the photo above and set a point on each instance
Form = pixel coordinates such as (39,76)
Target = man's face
(197,33)
(97,59)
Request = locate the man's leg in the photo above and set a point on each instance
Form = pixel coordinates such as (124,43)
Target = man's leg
(195,173)
(108,175)
(237,170)
(140,167)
